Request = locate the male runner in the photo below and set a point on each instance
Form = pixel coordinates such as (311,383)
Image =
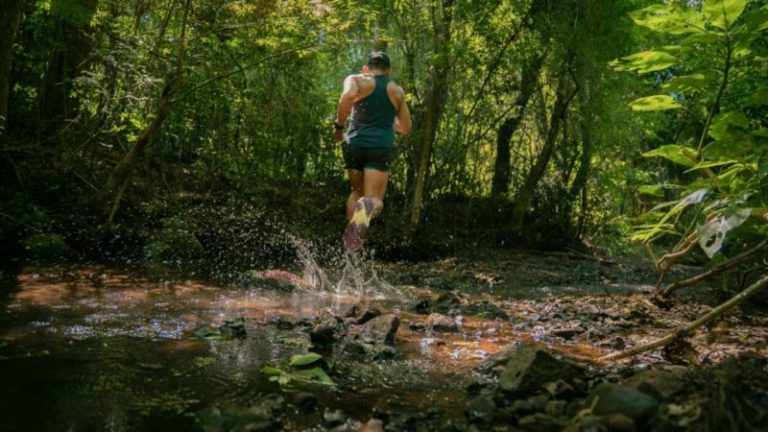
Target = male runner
(378,110)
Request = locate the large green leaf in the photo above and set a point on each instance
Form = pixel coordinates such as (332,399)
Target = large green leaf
(645,62)
(723,13)
(686,83)
(655,103)
(678,154)
(728,126)
(671,19)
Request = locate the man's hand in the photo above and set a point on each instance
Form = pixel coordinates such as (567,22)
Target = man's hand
(338,134)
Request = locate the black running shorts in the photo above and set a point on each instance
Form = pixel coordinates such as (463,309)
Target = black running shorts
(360,159)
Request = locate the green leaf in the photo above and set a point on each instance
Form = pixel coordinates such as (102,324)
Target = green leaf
(710,164)
(655,103)
(678,154)
(723,13)
(726,126)
(686,83)
(305,359)
(652,190)
(645,62)
(271,371)
(208,333)
(670,19)
(313,376)
(759,97)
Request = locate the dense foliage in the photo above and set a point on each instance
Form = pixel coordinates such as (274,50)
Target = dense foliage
(173,131)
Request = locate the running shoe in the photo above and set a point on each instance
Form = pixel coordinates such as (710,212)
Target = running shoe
(357,227)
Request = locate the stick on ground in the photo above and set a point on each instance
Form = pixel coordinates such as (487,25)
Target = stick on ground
(683,331)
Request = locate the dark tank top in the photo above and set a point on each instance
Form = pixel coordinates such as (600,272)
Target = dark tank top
(372,118)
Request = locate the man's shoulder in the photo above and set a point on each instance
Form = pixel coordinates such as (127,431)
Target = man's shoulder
(393,88)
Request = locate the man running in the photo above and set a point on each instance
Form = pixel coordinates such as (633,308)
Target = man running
(378,111)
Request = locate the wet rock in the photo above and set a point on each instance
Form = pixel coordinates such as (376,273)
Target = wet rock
(621,423)
(327,332)
(522,407)
(234,328)
(443,304)
(555,408)
(619,399)
(382,329)
(261,426)
(273,280)
(373,425)
(568,333)
(487,310)
(305,401)
(658,383)
(481,408)
(361,351)
(359,313)
(284,322)
(417,326)
(332,419)
(441,323)
(528,368)
(539,422)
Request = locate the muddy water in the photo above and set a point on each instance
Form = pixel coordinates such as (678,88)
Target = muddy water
(92,348)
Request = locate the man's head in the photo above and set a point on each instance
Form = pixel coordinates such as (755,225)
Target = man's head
(378,60)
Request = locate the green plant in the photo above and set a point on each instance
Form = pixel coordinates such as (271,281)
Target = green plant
(304,369)
(714,71)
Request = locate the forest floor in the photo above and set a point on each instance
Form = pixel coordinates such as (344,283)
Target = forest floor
(498,340)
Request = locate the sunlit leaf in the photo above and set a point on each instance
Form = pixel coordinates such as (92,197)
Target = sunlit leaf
(652,190)
(655,103)
(678,154)
(726,124)
(723,13)
(711,164)
(305,359)
(686,83)
(671,19)
(645,62)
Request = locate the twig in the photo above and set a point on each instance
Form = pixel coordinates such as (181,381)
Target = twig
(725,265)
(683,331)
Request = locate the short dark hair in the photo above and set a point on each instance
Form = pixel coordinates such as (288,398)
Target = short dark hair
(378,60)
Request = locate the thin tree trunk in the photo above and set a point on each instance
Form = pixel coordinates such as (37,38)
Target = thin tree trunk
(118,180)
(434,109)
(10,19)
(524,197)
(529,80)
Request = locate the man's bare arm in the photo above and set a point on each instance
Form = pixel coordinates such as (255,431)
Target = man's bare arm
(347,99)
(403,118)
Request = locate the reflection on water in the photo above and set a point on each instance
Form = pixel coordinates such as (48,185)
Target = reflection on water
(93,348)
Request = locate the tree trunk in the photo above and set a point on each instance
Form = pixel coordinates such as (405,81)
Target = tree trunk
(525,195)
(529,79)
(435,103)
(71,48)
(10,18)
(118,180)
